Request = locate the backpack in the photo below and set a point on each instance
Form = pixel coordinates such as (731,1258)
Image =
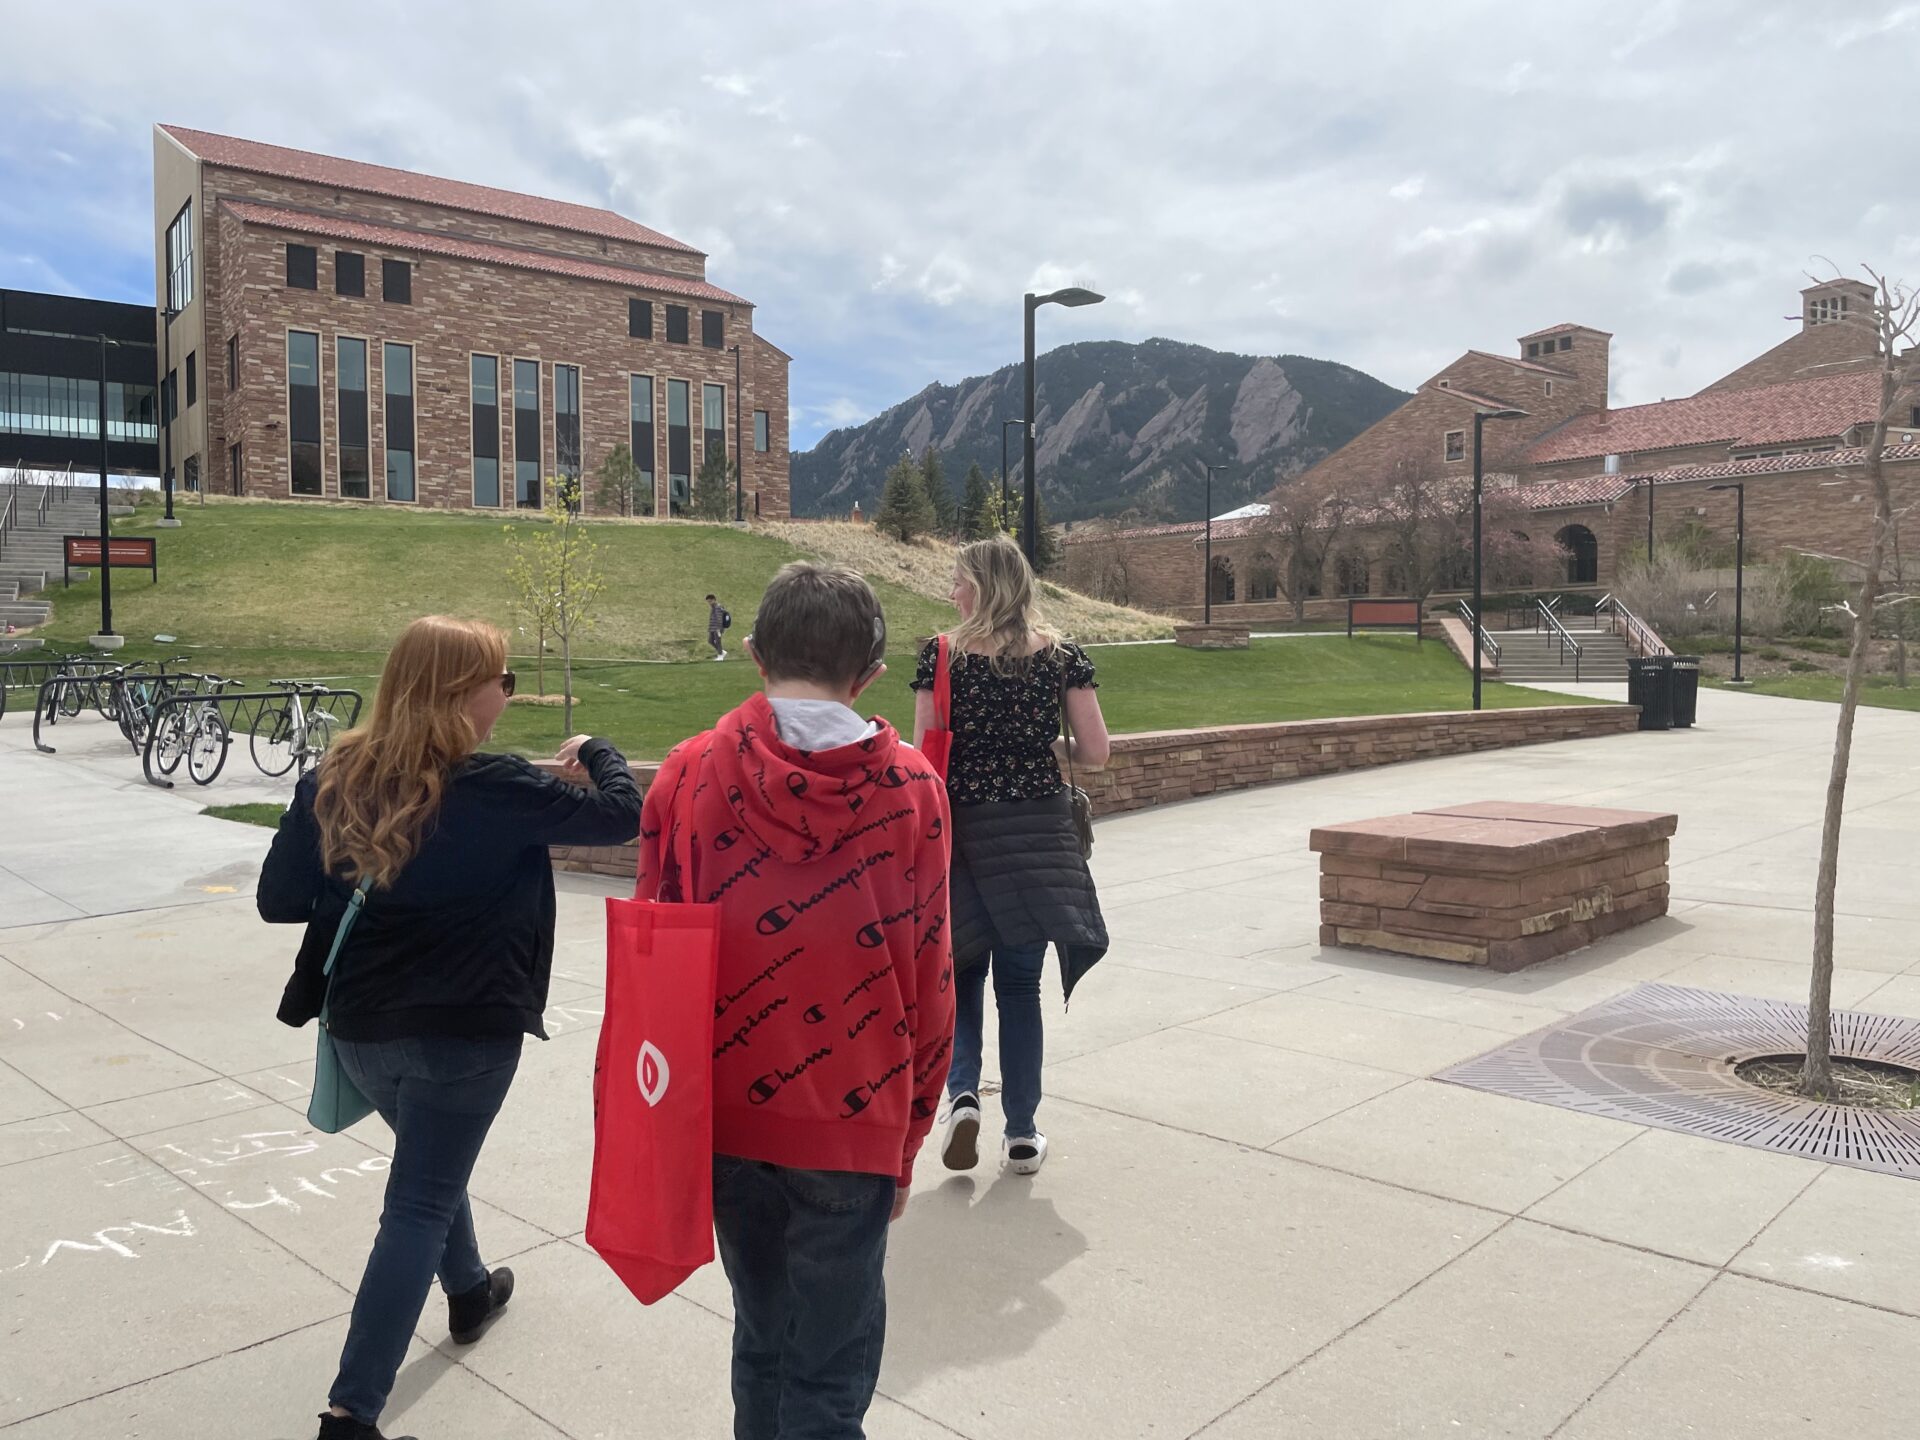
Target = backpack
(726,618)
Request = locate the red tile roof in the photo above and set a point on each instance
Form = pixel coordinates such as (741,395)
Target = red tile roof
(1563,328)
(455,247)
(1796,410)
(1603,489)
(286,164)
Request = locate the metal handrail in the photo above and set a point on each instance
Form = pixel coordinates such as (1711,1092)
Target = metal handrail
(9,515)
(1488,644)
(1565,640)
(1625,623)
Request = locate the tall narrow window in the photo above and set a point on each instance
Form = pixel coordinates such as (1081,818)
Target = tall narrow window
(233,361)
(640,429)
(349,273)
(640,319)
(303,412)
(679,446)
(713,421)
(233,469)
(303,267)
(761,436)
(486,430)
(398,364)
(193,378)
(526,434)
(180,259)
(676,324)
(713,329)
(396,282)
(350,401)
(566,428)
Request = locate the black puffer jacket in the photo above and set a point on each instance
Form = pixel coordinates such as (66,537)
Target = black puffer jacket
(462,943)
(1018,878)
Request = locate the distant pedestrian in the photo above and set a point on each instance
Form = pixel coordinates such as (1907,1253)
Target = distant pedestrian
(435,985)
(1019,878)
(719,621)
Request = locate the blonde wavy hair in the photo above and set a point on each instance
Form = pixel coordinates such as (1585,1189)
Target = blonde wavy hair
(382,783)
(1006,619)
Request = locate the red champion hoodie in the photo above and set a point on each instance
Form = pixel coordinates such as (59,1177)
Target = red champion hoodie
(833,1017)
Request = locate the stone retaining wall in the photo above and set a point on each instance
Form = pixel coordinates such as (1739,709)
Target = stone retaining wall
(1164,766)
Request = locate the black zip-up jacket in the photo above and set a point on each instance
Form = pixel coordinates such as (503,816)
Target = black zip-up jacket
(462,943)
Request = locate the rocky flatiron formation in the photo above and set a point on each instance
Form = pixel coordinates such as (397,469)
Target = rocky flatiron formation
(1123,428)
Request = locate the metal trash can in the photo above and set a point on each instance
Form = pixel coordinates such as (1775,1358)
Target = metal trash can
(1684,686)
(1649,687)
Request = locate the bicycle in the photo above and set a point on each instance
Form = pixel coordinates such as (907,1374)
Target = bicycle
(196,733)
(297,733)
(137,696)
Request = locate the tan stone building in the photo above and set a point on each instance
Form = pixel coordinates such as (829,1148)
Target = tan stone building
(341,330)
(1788,424)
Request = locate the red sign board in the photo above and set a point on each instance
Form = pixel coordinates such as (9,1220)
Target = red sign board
(1383,615)
(123,553)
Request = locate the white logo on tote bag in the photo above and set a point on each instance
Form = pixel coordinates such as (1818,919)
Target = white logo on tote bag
(652,1072)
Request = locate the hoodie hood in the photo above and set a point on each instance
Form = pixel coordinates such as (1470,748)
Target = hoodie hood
(801,804)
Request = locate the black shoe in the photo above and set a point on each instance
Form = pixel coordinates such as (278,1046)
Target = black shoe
(469,1314)
(345,1427)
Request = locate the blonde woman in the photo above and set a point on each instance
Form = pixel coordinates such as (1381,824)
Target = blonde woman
(1019,881)
(446,968)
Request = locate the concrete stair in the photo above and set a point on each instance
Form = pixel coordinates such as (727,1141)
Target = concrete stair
(31,556)
(1533,656)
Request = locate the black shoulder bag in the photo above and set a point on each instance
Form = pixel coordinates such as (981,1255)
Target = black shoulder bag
(1078,801)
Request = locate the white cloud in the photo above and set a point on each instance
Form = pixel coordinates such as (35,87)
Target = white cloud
(732,83)
(1409,188)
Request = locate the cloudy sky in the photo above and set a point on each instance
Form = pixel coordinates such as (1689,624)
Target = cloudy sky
(1383,183)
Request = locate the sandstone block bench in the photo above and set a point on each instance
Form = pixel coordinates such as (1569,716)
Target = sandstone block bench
(1499,883)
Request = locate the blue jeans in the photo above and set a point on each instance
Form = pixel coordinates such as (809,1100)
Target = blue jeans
(805,1252)
(439,1095)
(1016,993)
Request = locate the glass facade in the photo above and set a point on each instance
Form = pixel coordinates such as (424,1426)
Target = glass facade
(679,446)
(397,363)
(526,434)
(761,437)
(640,435)
(350,400)
(56,405)
(566,426)
(486,429)
(303,412)
(180,259)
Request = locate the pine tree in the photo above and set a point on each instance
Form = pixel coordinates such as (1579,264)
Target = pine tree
(980,510)
(712,497)
(933,477)
(905,511)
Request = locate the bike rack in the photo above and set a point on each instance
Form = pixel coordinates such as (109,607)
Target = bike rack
(240,711)
(32,674)
(53,688)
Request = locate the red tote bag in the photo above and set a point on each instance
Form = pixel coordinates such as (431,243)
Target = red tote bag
(650,1212)
(937,743)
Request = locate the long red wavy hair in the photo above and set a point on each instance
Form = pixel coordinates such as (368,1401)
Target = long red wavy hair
(382,783)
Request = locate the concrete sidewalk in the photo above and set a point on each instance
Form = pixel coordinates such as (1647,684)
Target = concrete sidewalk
(1260,1217)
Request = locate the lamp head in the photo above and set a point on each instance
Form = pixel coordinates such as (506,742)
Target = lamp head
(1508,413)
(1072,295)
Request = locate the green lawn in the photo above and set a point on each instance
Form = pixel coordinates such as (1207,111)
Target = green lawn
(262,591)
(267,815)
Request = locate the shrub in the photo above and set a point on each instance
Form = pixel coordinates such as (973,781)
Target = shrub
(1771,654)
(1803,667)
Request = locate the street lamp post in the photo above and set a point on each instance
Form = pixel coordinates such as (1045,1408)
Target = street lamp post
(1206,573)
(1649,520)
(106,639)
(1005,499)
(1739,570)
(1480,418)
(1073,295)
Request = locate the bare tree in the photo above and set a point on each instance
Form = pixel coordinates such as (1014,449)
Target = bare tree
(1099,562)
(1894,315)
(1418,508)
(1308,517)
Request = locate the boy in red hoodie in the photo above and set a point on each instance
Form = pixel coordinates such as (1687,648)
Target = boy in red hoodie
(823,838)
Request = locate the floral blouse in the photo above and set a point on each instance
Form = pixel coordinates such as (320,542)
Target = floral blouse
(1004,726)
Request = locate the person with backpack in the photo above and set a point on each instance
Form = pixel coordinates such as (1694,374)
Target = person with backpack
(1020,879)
(822,838)
(443,847)
(719,621)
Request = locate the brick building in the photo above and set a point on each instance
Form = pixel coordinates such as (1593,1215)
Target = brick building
(343,330)
(1789,424)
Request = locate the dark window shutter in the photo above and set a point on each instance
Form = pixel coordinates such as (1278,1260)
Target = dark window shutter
(396,282)
(640,319)
(303,267)
(676,324)
(713,329)
(349,273)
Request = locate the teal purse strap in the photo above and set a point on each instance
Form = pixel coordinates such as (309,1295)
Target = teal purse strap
(354,907)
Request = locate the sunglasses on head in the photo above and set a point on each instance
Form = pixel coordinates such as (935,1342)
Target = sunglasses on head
(507,682)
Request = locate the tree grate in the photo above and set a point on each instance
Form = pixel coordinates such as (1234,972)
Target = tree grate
(1664,1055)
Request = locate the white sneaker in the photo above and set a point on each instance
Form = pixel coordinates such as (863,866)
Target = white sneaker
(1024,1156)
(960,1150)
(721,656)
